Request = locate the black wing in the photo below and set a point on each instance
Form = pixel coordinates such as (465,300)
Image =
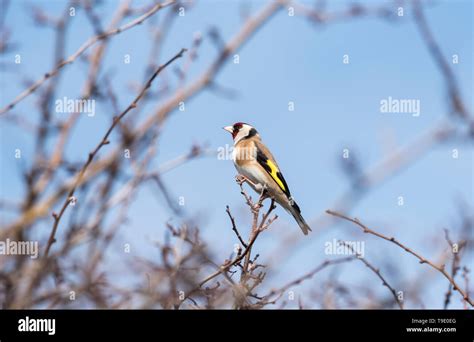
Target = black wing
(272,169)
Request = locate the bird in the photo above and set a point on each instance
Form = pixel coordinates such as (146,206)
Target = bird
(255,163)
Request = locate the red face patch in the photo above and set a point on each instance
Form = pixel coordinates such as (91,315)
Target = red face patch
(237,126)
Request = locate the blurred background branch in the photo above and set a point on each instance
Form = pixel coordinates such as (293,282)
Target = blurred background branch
(193,260)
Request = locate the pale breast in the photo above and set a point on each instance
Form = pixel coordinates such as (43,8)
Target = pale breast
(244,156)
(244,152)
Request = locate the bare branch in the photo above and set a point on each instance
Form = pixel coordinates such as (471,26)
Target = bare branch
(103,142)
(455,250)
(376,271)
(422,260)
(91,41)
(306,276)
(457,104)
(234,227)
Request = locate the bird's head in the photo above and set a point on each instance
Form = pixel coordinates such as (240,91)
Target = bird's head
(241,131)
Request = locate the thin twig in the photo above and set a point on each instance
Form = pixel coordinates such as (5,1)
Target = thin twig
(457,103)
(253,236)
(246,31)
(306,276)
(376,271)
(454,265)
(234,227)
(422,260)
(103,142)
(91,41)
(465,275)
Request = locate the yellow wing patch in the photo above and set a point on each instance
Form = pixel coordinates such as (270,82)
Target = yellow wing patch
(272,169)
(273,174)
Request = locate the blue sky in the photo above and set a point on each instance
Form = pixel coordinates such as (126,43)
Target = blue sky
(336,107)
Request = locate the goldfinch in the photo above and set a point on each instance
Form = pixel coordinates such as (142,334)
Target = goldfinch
(256,164)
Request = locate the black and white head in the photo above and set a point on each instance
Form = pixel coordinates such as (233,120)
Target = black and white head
(241,131)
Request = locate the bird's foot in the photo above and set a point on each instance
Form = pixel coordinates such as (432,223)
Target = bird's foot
(240,179)
(264,193)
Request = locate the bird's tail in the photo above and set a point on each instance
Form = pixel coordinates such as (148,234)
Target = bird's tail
(296,212)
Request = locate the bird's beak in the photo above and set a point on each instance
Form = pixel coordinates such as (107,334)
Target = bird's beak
(229,129)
